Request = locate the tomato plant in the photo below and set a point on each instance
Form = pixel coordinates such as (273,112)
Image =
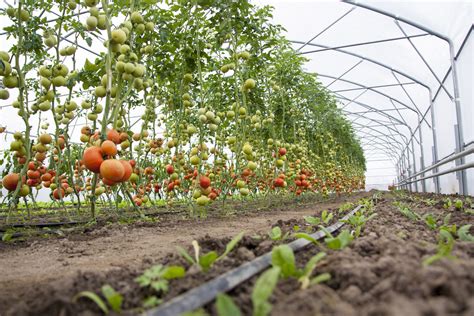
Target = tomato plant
(191,101)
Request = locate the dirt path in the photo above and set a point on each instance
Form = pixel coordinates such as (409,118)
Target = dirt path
(121,246)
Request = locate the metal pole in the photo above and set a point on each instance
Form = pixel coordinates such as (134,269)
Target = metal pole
(459,126)
(435,141)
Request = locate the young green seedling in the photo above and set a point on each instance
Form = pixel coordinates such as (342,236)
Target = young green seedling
(340,242)
(458,205)
(312,220)
(157,277)
(430,221)
(284,258)
(463,233)
(445,247)
(206,261)
(262,291)
(225,306)
(326,216)
(277,234)
(113,298)
(358,221)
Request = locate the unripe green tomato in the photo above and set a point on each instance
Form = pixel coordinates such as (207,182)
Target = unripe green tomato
(196,194)
(247,149)
(244,191)
(129,68)
(136,17)
(59,81)
(149,26)
(230,114)
(45,106)
(100,91)
(102,22)
(194,160)
(91,23)
(249,84)
(252,165)
(280,163)
(92,116)
(86,105)
(241,184)
(84,138)
(202,200)
(45,83)
(10,81)
(242,111)
(98,108)
(94,11)
(4,94)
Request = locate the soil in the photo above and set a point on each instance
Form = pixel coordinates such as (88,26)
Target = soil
(380,273)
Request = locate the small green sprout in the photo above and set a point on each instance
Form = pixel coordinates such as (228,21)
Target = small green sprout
(206,261)
(340,242)
(445,247)
(113,298)
(277,234)
(157,277)
(262,291)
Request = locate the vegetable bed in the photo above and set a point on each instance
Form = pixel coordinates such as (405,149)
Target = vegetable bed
(399,264)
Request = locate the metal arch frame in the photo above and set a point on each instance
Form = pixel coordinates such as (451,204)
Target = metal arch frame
(391,117)
(459,136)
(386,126)
(435,141)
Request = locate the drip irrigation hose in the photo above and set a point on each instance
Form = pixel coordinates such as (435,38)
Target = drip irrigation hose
(207,292)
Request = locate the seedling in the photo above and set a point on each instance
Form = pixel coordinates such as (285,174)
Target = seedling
(157,277)
(112,297)
(284,258)
(346,207)
(262,291)
(225,306)
(358,221)
(407,212)
(445,247)
(340,242)
(463,233)
(206,261)
(312,220)
(458,205)
(447,203)
(326,216)
(430,221)
(277,234)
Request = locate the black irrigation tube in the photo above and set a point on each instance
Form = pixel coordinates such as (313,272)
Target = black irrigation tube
(207,292)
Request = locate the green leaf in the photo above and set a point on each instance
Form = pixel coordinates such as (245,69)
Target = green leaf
(225,306)
(114,298)
(312,220)
(231,245)
(320,278)
(151,302)
(207,260)
(173,272)
(446,219)
(311,264)
(284,258)
(185,255)
(93,297)
(262,291)
(463,233)
(345,237)
(307,237)
(88,66)
(275,233)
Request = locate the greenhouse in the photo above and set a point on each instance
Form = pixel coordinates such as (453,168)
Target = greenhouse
(223,157)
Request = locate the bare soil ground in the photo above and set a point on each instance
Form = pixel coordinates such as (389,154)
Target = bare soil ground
(57,267)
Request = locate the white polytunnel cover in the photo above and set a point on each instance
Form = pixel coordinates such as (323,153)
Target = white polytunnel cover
(389,64)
